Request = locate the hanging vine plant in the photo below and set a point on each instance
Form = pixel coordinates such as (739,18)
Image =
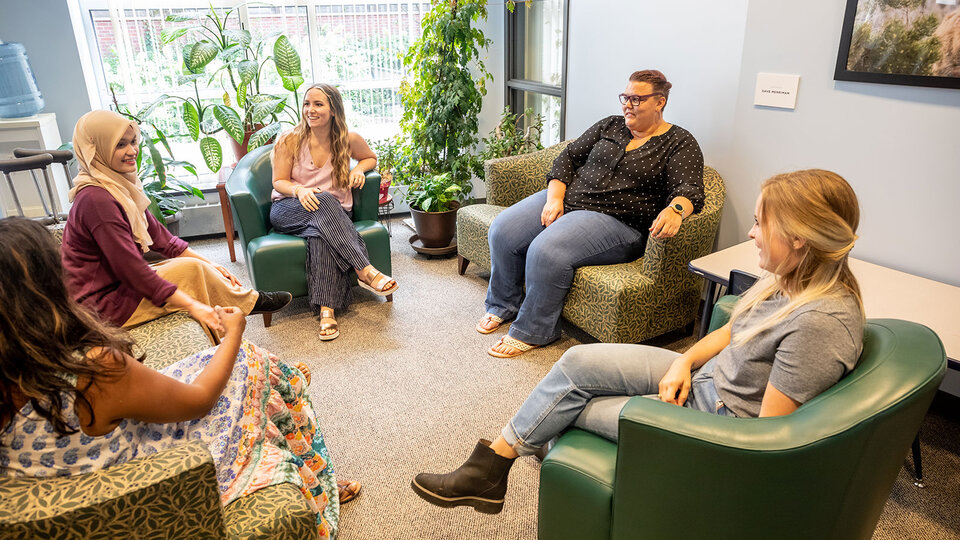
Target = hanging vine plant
(443,95)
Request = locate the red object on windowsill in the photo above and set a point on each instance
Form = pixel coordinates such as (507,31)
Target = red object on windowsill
(386,180)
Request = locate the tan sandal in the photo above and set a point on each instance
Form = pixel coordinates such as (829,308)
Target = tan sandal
(510,342)
(348,490)
(488,318)
(328,314)
(305,370)
(378,284)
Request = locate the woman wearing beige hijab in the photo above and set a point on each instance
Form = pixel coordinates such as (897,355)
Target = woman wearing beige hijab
(109,229)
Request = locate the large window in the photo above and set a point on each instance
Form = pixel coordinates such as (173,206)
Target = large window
(536,63)
(355,45)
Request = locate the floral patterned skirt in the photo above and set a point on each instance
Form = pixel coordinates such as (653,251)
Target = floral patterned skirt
(262,431)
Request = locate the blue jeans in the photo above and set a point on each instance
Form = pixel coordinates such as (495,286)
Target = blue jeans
(589,386)
(524,252)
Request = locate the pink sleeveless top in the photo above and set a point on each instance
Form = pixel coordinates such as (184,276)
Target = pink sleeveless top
(309,175)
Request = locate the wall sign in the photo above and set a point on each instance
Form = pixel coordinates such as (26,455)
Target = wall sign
(776,90)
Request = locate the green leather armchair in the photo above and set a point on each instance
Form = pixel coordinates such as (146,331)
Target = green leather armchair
(823,472)
(277,262)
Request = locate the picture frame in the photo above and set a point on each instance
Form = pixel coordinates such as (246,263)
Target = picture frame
(916,43)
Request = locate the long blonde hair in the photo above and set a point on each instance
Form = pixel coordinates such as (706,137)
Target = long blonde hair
(339,135)
(820,208)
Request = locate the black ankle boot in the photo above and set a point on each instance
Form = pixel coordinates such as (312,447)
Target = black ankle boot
(481,482)
(270,301)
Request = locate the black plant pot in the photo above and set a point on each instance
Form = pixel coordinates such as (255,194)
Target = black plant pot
(435,229)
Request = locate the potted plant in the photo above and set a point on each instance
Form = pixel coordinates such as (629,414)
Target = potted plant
(433,201)
(509,138)
(388,153)
(239,74)
(441,103)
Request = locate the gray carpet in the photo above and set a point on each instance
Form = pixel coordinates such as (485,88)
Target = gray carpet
(408,387)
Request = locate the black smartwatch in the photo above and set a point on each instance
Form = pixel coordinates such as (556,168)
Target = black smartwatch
(678,208)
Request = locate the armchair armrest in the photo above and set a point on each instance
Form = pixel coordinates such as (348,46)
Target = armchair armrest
(514,178)
(172,494)
(366,200)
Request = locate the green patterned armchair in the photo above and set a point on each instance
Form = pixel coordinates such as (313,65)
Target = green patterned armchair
(170,494)
(620,303)
(825,471)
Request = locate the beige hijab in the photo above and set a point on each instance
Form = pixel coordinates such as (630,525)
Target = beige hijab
(94,141)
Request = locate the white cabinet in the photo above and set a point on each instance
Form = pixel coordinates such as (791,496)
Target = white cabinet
(38,131)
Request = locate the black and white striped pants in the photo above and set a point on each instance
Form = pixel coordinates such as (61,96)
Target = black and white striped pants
(334,247)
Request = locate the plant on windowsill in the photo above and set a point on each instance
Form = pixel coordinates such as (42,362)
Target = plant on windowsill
(441,104)
(509,138)
(243,63)
(388,151)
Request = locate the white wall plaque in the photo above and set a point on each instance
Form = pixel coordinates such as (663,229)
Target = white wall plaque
(776,90)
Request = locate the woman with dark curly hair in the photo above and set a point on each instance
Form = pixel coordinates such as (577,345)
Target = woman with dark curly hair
(73,400)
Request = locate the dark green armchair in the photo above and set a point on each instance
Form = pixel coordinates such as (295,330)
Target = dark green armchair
(277,262)
(823,472)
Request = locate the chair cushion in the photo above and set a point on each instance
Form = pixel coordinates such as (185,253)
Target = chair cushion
(169,339)
(473,224)
(278,511)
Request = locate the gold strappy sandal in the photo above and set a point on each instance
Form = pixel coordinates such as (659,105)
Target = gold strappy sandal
(328,314)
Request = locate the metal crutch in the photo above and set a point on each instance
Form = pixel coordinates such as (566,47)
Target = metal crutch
(32,163)
(63,157)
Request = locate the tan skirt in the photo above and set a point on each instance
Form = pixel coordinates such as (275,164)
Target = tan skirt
(202,282)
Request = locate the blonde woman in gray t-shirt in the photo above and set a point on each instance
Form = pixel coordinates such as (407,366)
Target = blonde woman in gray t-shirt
(794,334)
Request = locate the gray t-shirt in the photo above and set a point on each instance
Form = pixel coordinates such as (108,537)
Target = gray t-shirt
(801,356)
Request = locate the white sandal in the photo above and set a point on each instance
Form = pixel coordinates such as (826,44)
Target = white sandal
(377,284)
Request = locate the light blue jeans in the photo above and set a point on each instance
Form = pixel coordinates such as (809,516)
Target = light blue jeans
(589,386)
(524,252)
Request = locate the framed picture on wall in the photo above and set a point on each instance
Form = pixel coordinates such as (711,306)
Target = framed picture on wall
(912,42)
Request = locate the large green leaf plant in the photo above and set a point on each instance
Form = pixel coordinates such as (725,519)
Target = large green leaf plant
(244,107)
(442,98)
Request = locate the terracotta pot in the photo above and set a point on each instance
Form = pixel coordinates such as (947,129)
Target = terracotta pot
(435,229)
(240,149)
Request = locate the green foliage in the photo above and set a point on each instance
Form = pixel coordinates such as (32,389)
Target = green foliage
(900,48)
(388,154)
(433,193)
(510,138)
(442,100)
(242,64)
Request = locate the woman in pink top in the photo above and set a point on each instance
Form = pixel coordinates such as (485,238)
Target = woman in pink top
(109,229)
(313,199)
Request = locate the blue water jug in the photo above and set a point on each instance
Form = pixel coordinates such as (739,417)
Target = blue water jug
(19,95)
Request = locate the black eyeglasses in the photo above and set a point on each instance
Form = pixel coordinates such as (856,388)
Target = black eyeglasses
(636,100)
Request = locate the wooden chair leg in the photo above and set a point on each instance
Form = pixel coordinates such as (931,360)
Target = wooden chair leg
(266,319)
(389,298)
(462,264)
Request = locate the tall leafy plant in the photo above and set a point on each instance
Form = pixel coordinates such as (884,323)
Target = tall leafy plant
(511,138)
(443,95)
(239,74)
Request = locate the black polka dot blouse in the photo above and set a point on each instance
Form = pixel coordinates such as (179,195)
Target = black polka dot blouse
(631,186)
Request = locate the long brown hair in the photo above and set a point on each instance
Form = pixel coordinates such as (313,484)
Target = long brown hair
(821,208)
(339,134)
(45,332)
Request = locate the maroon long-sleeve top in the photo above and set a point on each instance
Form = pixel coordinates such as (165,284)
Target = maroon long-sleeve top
(103,265)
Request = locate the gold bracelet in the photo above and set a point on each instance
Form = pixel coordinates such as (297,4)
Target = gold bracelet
(296,189)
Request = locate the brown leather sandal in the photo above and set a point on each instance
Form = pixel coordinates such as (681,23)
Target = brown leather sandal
(348,490)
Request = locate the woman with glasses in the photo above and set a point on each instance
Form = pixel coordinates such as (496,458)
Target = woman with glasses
(625,178)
